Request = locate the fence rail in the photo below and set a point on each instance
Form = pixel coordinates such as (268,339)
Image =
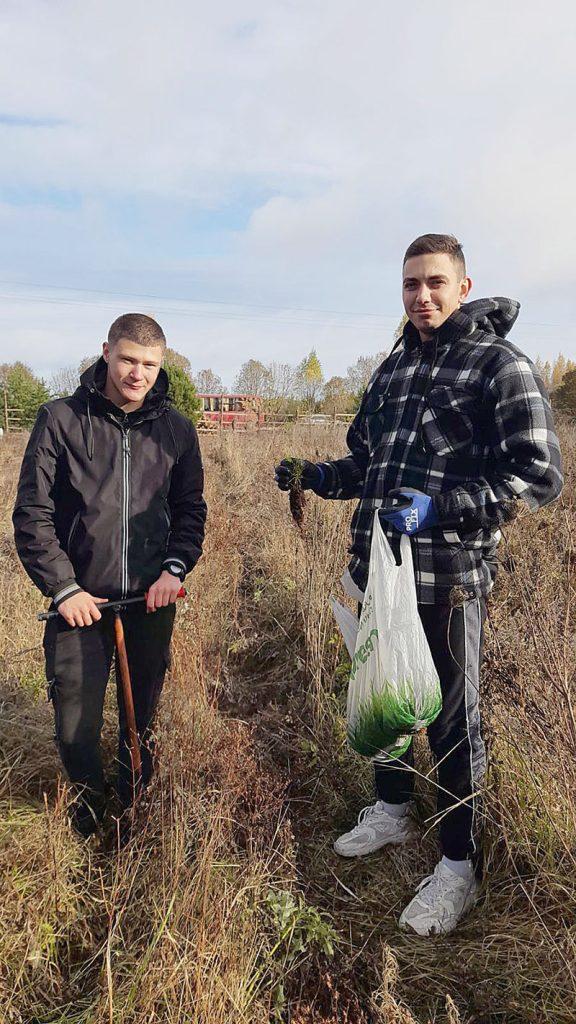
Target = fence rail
(271,421)
(12,418)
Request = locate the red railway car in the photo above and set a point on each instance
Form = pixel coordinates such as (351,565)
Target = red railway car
(231,412)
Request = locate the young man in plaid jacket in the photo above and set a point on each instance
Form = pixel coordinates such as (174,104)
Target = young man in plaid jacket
(458,422)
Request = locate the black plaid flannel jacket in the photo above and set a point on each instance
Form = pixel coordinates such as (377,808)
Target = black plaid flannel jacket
(465,419)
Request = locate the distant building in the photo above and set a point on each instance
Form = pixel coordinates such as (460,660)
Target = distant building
(232,412)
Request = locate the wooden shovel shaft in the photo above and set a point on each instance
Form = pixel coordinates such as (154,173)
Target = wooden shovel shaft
(133,740)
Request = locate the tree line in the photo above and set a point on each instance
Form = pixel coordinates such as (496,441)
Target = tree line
(284,388)
(22,392)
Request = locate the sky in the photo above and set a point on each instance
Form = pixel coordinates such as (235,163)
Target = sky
(251,174)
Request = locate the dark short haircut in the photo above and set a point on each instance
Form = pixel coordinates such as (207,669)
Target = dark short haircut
(438,243)
(136,327)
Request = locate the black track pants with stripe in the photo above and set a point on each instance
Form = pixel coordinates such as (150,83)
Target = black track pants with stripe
(78,663)
(455,636)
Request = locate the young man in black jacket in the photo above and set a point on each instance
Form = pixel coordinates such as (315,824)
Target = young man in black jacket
(110,506)
(458,422)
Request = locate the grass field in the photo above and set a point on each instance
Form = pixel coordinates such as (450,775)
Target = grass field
(230,906)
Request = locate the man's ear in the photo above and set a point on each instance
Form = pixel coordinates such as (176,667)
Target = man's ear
(105,351)
(465,288)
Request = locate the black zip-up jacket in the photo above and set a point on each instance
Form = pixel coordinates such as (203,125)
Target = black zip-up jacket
(105,498)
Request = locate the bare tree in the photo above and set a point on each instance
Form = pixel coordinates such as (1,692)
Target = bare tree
(86,362)
(282,380)
(209,383)
(337,397)
(174,358)
(279,386)
(64,382)
(253,379)
(359,374)
(401,325)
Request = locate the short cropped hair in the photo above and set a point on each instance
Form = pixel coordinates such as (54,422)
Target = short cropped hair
(136,327)
(438,243)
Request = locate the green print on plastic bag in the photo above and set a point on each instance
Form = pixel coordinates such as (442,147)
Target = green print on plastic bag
(389,716)
(363,653)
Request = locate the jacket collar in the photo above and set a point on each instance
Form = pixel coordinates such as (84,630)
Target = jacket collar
(458,325)
(492,315)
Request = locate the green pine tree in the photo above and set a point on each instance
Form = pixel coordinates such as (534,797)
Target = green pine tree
(183,392)
(24,391)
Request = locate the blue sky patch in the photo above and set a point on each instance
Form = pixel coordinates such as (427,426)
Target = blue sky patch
(23,121)
(55,198)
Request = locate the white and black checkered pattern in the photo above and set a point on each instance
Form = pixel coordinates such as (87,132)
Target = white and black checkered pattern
(465,419)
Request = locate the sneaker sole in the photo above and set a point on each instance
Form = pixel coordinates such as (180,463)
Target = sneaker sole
(405,926)
(366,851)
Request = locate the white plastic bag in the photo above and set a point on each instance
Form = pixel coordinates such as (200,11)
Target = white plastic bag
(394,688)
(348,623)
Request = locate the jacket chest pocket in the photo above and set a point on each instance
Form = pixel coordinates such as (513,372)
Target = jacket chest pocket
(379,422)
(448,422)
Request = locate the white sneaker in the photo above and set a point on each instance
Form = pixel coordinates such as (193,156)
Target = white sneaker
(375,828)
(441,901)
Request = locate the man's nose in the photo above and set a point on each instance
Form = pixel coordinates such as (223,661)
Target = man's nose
(423,294)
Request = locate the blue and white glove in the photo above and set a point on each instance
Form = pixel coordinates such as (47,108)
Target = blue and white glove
(420,514)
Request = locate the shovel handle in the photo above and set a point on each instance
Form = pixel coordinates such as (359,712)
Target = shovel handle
(133,741)
(114,605)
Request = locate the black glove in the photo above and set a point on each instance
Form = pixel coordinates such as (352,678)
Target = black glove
(310,477)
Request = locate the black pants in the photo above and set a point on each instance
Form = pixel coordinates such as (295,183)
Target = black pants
(78,662)
(455,637)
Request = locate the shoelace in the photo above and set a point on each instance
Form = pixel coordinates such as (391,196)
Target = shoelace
(422,885)
(371,811)
(365,813)
(434,884)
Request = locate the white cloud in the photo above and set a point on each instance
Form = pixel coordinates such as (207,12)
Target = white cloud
(344,129)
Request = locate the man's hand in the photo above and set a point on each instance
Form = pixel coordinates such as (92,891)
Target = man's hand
(308,473)
(81,609)
(418,514)
(163,592)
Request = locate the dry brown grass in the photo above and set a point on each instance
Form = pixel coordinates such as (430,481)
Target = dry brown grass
(222,909)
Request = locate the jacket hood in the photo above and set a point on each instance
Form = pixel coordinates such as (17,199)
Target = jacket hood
(91,392)
(497,315)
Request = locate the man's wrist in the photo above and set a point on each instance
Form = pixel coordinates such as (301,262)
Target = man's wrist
(66,591)
(313,477)
(175,567)
(433,517)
